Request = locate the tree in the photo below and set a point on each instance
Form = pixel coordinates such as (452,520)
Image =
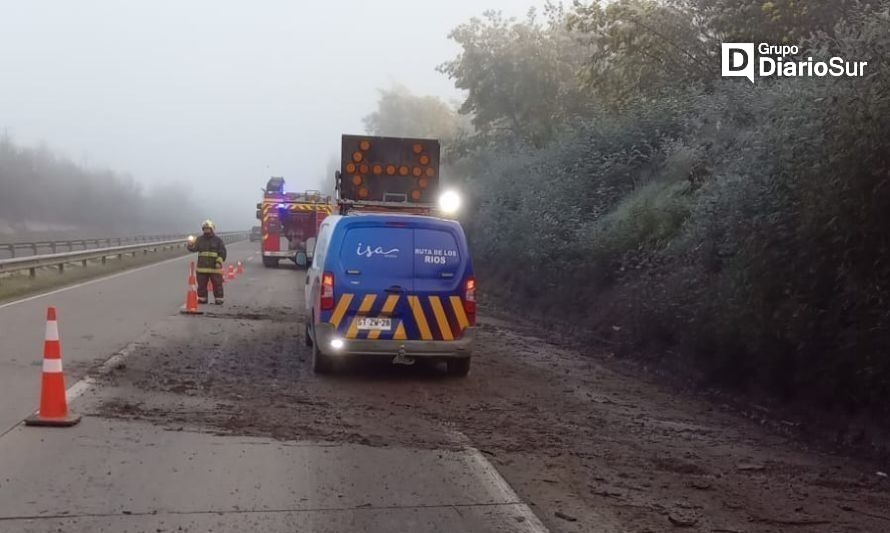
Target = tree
(402,114)
(520,77)
(644,47)
(775,21)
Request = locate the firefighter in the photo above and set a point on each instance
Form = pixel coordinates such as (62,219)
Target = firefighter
(211,254)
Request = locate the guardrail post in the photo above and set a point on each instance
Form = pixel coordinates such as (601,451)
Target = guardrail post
(70,246)
(61,268)
(34,247)
(32,272)
(52,246)
(84,263)
(103,259)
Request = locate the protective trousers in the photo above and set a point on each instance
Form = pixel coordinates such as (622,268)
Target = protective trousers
(217,281)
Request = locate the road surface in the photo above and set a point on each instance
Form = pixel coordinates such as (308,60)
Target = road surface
(216,423)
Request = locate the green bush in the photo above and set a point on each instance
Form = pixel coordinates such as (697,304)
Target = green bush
(748,225)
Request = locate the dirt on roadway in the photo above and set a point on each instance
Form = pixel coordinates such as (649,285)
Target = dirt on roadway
(589,444)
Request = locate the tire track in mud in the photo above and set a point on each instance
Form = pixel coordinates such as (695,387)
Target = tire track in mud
(591,448)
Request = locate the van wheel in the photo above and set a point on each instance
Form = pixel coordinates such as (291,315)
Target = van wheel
(458,366)
(321,364)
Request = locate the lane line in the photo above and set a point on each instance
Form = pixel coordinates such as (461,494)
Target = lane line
(14,518)
(87,382)
(92,281)
(494,482)
(489,474)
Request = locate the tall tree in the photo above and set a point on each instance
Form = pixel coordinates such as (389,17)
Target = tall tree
(401,113)
(520,76)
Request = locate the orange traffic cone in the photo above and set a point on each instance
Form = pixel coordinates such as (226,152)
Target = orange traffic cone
(231,274)
(53,400)
(191,298)
(240,268)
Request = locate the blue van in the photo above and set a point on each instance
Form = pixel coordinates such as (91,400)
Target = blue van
(391,285)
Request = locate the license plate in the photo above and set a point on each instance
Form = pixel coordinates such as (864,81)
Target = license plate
(374,324)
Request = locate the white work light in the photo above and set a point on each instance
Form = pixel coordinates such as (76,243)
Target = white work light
(449,202)
(337,344)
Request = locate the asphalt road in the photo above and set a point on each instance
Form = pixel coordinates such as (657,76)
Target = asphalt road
(123,473)
(217,423)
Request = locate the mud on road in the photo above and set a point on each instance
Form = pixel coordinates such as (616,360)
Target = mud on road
(590,445)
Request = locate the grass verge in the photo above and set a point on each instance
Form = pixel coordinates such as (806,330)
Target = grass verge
(19,284)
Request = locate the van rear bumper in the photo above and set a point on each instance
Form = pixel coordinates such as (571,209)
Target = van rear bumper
(325,333)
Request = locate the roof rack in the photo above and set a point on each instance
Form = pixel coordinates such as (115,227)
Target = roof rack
(347,206)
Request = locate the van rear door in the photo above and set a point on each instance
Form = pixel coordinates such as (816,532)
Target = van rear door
(401,279)
(441,265)
(373,276)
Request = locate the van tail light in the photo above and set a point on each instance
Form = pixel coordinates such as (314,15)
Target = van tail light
(470,300)
(327,291)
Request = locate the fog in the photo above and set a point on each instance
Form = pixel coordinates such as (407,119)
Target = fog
(215,96)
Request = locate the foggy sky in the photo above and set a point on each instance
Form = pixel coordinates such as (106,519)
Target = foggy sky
(216,95)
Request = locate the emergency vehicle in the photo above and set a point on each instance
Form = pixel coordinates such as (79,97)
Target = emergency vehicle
(290,222)
(388,278)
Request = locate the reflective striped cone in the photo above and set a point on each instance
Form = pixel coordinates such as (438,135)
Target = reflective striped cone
(240,268)
(53,399)
(191,298)
(231,274)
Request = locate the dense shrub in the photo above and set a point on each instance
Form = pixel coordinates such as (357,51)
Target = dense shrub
(748,225)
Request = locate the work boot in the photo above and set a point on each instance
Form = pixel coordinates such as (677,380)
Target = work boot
(218,301)
(202,300)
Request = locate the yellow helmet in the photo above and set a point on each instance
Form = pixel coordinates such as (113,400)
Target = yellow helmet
(208,224)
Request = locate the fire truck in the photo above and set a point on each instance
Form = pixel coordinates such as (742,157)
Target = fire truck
(290,222)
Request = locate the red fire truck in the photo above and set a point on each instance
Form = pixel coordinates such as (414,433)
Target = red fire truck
(290,222)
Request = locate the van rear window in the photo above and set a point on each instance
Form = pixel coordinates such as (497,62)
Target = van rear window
(436,252)
(378,252)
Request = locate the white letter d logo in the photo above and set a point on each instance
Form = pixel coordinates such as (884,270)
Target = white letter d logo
(738,60)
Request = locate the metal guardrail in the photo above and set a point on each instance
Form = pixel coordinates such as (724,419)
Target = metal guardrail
(59,260)
(16,249)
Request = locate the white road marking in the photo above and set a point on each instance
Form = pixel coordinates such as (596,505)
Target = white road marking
(91,282)
(74,391)
(85,384)
(497,486)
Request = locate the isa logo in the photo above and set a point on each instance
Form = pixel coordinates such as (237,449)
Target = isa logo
(738,60)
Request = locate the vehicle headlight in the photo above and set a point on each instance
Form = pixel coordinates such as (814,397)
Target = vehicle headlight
(449,202)
(337,344)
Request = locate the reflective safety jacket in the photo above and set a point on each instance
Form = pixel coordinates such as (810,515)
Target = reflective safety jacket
(211,254)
